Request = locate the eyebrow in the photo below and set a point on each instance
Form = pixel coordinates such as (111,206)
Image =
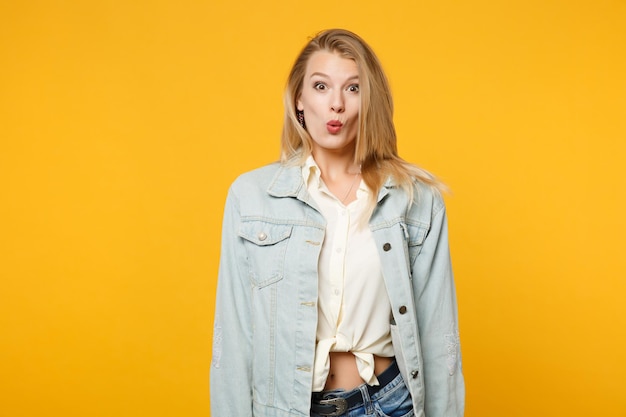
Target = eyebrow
(321,74)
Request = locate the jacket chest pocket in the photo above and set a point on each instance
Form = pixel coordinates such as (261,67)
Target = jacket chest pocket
(415,235)
(266,245)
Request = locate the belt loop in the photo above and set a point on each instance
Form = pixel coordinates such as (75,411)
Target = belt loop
(367,401)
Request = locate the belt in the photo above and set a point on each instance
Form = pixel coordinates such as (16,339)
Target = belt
(327,403)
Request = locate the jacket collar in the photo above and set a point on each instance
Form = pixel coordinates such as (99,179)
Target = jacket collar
(288,182)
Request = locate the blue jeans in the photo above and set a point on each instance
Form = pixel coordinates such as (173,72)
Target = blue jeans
(392,400)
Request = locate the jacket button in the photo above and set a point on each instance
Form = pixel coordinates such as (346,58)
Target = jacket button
(262,236)
(402,309)
(414,374)
(387,247)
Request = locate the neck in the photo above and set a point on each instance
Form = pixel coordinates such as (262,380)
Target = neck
(334,166)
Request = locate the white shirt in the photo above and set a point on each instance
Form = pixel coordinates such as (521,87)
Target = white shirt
(353,305)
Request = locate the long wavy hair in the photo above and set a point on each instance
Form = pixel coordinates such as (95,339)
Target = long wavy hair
(376,143)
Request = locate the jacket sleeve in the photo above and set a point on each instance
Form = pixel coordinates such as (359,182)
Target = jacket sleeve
(231,371)
(436,309)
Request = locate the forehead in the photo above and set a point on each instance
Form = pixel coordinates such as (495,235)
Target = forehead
(331,64)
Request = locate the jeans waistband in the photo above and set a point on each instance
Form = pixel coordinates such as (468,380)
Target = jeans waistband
(336,403)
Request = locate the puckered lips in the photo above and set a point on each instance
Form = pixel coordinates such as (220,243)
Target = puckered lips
(334,126)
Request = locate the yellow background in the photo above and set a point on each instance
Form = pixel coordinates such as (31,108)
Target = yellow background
(122,123)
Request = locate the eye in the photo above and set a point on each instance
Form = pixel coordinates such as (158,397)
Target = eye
(353,88)
(319,86)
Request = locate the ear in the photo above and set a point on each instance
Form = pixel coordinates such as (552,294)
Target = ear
(299,105)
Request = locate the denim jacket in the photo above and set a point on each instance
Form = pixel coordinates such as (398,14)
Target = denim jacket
(266,306)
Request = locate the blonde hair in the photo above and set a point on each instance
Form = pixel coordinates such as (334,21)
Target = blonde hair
(376,148)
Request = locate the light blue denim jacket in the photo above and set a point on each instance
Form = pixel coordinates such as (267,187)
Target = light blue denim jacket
(266,306)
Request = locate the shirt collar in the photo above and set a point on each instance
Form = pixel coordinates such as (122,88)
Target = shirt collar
(310,171)
(311,175)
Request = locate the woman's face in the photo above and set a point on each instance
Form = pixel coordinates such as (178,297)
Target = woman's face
(330,101)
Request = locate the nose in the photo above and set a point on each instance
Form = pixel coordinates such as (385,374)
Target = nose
(337,104)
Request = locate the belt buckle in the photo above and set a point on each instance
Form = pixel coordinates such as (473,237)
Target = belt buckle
(340,403)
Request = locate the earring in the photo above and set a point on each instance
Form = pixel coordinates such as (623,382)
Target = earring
(300,116)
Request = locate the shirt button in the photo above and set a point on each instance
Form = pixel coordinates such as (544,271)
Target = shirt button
(414,374)
(336,292)
(262,236)
(387,247)
(402,309)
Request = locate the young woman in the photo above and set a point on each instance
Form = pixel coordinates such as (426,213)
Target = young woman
(335,293)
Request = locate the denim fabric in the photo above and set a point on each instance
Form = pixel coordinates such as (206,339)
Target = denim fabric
(393,400)
(266,305)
